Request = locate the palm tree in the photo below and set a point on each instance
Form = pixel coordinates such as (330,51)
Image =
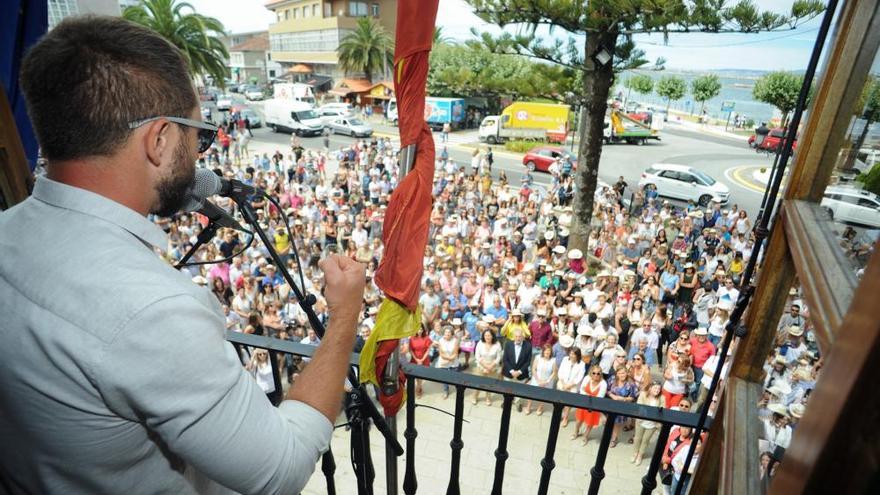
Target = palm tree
(194,34)
(367,49)
(439,37)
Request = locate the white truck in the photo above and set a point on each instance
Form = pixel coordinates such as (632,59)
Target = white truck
(294,117)
(293,92)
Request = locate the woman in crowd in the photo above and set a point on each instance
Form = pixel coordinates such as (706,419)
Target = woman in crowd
(569,377)
(677,378)
(594,386)
(543,374)
(645,430)
(488,357)
(447,354)
(621,388)
(261,368)
(419,347)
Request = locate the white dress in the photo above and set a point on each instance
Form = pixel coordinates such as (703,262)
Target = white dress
(543,371)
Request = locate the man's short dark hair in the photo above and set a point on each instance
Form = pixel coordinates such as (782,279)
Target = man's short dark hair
(90,76)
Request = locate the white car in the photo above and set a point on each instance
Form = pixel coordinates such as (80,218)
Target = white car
(847,204)
(224,102)
(351,126)
(253,93)
(684,182)
(330,114)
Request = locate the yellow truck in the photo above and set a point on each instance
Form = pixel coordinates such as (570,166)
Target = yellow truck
(527,120)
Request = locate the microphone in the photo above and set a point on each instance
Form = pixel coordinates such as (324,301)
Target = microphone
(214,213)
(207,184)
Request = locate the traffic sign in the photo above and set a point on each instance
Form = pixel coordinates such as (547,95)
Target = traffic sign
(727,106)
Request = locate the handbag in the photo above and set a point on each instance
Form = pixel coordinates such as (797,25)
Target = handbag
(666,476)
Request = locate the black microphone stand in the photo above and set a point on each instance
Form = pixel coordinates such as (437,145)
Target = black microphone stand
(359,409)
(203,238)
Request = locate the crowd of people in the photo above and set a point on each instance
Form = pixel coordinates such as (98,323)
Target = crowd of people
(636,315)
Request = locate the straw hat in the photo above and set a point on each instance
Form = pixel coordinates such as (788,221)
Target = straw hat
(780,389)
(566,340)
(778,409)
(797,410)
(559,249)
(585,330)
(575,254)
(795,331)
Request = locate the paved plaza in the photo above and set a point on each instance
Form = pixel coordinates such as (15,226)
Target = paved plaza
(526,444)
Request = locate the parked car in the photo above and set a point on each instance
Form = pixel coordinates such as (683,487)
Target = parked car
(684,182)
(252,116)
(351,126)
(772,141)
(848,204)
(540,158)
(253,93)
(224,102)
(340,106)
(329,113)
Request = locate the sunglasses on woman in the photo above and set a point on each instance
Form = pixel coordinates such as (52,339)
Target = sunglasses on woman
(206,131)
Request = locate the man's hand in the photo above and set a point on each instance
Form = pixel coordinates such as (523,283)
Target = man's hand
(344,280)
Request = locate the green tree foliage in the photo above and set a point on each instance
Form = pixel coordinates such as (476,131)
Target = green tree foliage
(194,34)
(868,109)
(704,88)
(368,49)
(871,180)
(472,71)
(584,33)
(780,89)
(640,83)
(673,88)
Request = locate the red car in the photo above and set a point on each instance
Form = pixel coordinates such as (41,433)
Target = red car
(541,157)
(771,142)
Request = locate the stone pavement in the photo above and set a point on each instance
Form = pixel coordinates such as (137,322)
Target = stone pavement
(526,444)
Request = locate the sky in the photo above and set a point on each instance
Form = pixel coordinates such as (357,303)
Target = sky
(786,50)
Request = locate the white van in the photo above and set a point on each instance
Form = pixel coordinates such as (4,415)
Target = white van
(292,116)
(391,111)
(852,205)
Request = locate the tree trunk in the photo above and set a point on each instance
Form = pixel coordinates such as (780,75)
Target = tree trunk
(594,102)
(784,122)
(668,103)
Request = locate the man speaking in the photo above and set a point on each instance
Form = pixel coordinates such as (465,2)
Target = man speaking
(116,377)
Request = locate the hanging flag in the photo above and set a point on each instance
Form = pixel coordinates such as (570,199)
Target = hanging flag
(407,219)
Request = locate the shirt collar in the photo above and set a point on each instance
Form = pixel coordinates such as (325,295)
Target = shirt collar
(95,205)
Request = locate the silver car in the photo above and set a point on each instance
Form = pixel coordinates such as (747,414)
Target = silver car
(351,126)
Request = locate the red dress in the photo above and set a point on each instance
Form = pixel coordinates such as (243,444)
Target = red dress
(418,347)
(591,418)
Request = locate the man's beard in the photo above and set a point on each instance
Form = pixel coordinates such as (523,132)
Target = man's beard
(174,188)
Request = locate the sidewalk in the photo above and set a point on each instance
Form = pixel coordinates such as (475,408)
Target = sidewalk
(526,447)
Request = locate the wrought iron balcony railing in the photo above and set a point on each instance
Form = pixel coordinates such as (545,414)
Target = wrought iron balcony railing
(509,391)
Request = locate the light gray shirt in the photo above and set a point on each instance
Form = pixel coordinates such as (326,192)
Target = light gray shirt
(115,376)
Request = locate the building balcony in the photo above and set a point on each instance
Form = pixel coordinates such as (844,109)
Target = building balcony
(313,24)
(448,444)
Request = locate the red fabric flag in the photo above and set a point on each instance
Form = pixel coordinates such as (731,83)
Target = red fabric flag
(405,232)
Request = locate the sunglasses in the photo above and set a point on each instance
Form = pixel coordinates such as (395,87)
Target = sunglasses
(595,373)
(206,131)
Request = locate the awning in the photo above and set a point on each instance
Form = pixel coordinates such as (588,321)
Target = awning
(300,69)
(319,82)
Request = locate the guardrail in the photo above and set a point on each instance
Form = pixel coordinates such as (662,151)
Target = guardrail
(509,391)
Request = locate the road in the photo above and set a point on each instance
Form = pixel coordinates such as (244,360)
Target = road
(717,156)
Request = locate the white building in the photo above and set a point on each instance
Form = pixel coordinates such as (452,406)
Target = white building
(59,9)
